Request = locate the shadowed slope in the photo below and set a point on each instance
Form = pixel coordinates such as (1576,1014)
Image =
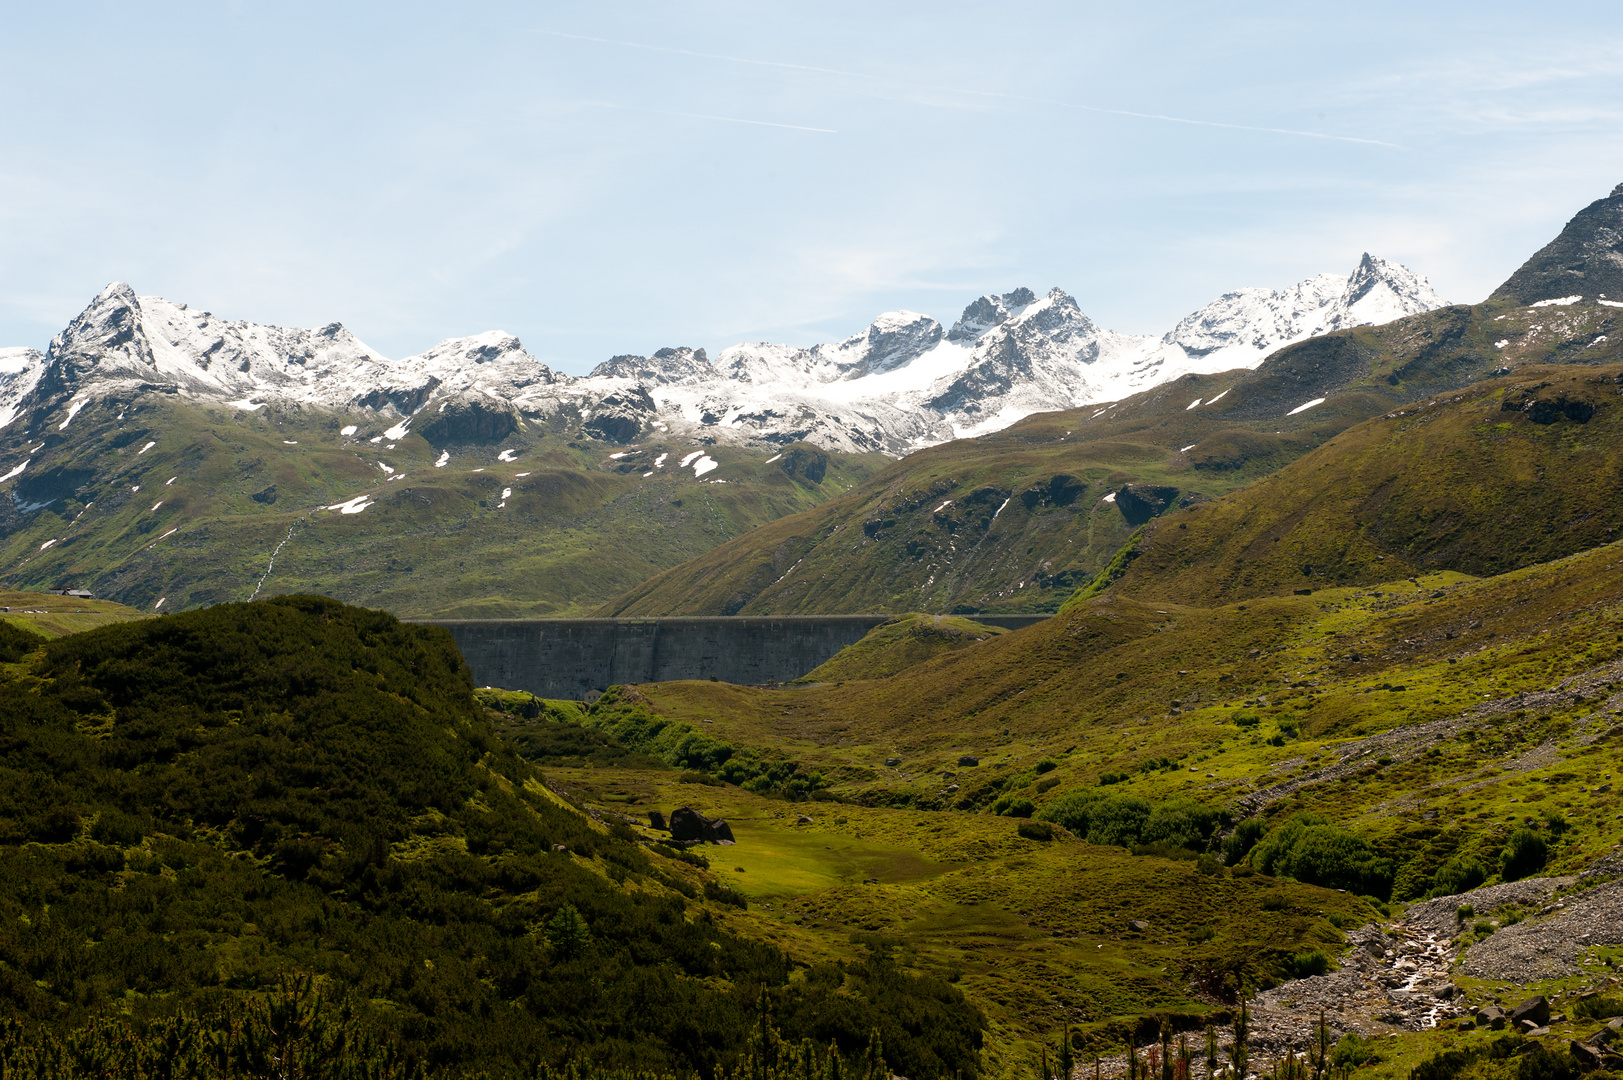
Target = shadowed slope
(1506,473)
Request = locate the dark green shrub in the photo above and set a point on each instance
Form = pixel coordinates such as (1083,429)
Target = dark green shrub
(1179,821)
(1310,848)
(1444,1066)
(1556,822)
(1524,853)
(1035,830)
(724,894)
(16,642)
(1309,962)
(1209,864)
(1047,783)
(1598,1007)
(1244,837)
(1539,1063)
(1047,764)
(1352,1051)
(1246,719)
(1461,873)
(1010,806)
(1106,779)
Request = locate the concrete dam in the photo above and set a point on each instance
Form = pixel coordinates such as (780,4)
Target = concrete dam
(574,659)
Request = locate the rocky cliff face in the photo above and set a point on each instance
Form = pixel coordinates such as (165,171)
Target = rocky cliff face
(902,383)
(1586,260)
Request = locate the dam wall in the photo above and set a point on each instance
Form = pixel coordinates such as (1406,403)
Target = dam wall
(574,659)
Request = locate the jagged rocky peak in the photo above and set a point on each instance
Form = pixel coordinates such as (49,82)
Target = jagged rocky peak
(1585,260)
(665,368)
(1379,291)
(987,312)
(1255,321)
(893,340)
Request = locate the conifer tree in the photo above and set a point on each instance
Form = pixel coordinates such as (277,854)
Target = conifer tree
(567,935)
(1067,1063)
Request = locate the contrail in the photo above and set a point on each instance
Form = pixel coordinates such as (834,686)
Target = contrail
(737,120)
(1164,118)
(1174,119)
(690,52)
(708,116)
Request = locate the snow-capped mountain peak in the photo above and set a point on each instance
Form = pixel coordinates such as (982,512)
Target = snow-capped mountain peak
(899,384)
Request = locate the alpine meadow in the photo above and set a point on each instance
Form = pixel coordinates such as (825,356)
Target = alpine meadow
(997,697)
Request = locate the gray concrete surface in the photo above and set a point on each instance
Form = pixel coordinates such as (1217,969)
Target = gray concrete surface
(574,659)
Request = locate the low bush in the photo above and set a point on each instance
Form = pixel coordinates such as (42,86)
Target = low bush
(1309,962)
(1353,1050)
(1310,848)
(1010,806)
(1035,830)
(1127,820)
(1524,853)
(1598,1007)
(1461,873)
(1244,837)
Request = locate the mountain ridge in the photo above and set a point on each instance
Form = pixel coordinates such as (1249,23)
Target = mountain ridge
(901,383)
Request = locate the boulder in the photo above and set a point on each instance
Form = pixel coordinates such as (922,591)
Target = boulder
(656,820)
(1138,926)
(1490,1016)
(1535,1009)
(968,761)
(690,826)
(1595,1051)
(892,762)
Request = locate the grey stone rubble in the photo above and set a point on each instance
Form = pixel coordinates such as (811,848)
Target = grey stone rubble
(1551,946)
(1400,979)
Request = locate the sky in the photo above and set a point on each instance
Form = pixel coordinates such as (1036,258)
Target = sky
(615,177)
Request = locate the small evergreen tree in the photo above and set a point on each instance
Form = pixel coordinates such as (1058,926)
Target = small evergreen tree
(567,935)
(1067,1063)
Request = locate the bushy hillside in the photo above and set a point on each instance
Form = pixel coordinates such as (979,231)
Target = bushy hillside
(1505,473)
(1411,739)
(194,808)
(160,500)
(1017,520)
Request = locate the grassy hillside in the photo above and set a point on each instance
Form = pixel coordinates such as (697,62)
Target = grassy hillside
(53,616)
(194,809)
(1017,520)
(195,517)
(898,644)
(1505,473)
(1434,724)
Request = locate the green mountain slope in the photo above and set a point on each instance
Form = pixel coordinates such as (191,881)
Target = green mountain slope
(1505,473)
(194,518)
(1448,730)
(1016,520)
(195,807)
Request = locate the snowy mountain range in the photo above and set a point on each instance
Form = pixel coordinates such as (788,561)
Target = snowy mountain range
(902,383)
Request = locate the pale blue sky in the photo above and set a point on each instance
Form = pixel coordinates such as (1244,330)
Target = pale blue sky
(613,177)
